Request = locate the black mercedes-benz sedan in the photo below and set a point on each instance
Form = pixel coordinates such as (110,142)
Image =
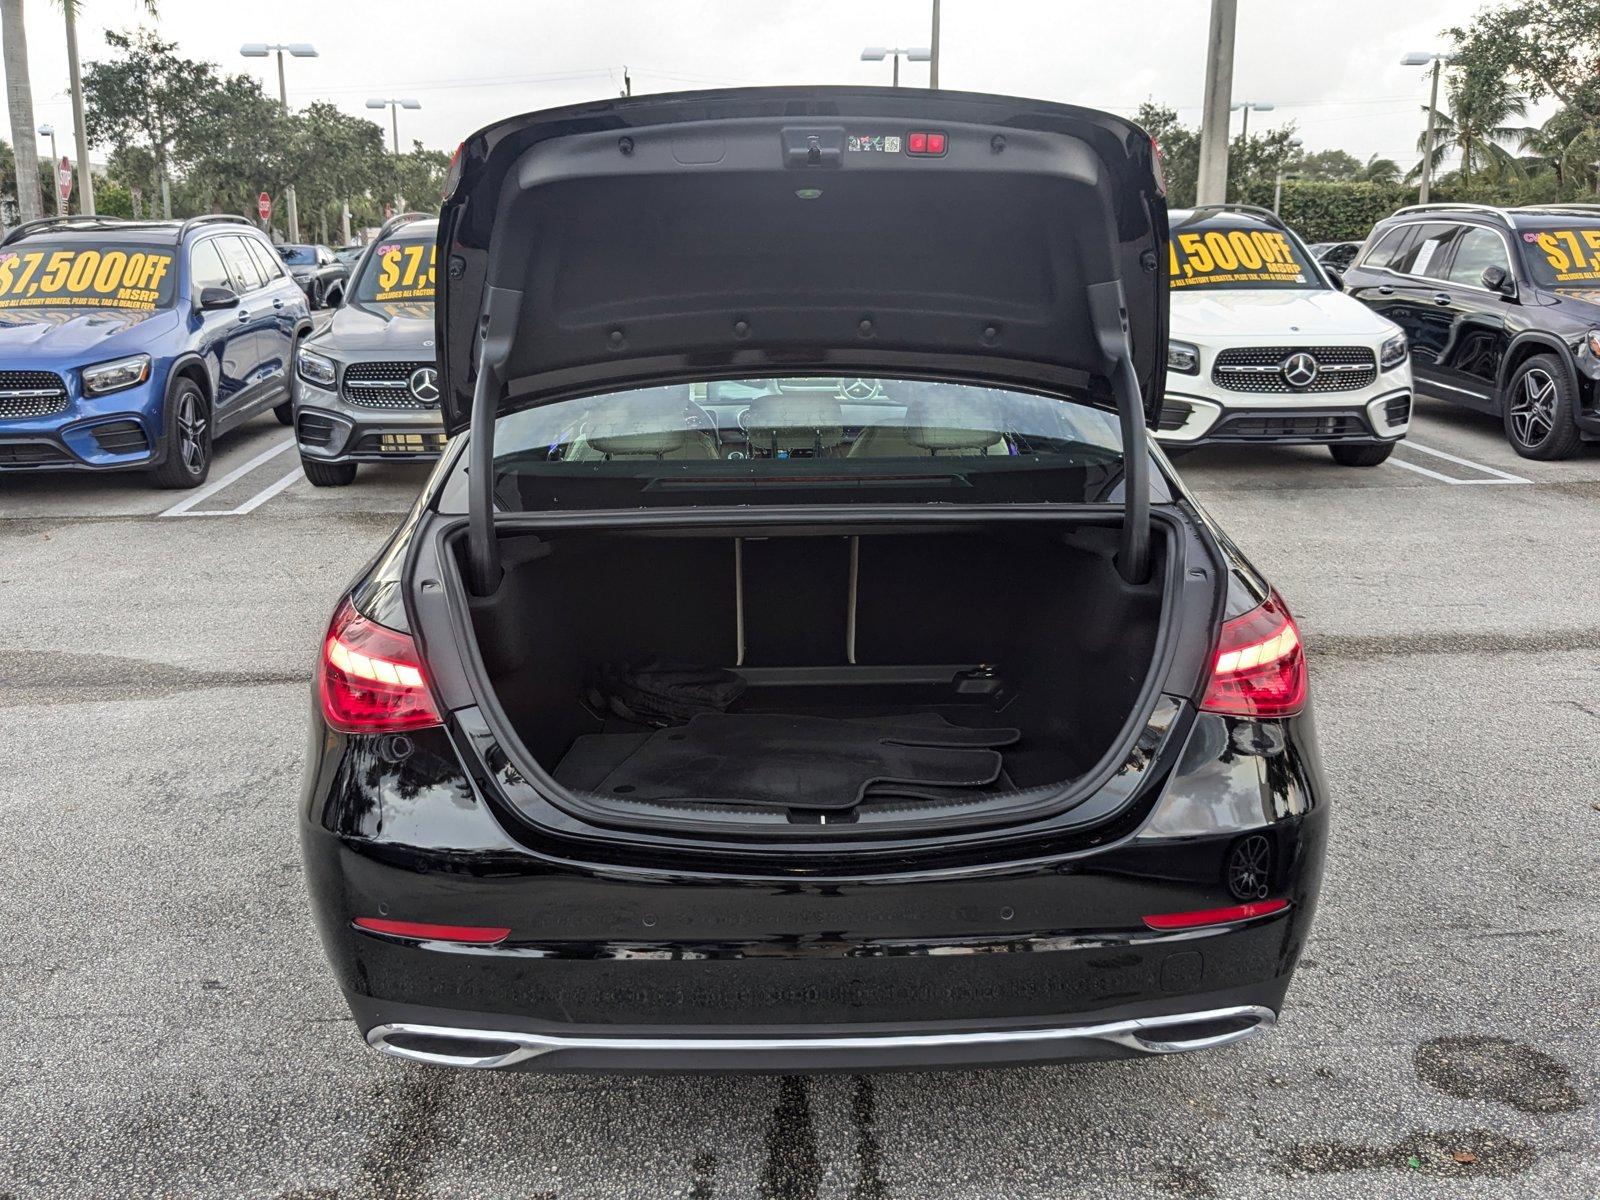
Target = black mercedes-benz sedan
(800,659)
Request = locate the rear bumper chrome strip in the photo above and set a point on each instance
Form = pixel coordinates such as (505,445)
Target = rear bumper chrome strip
(1146,1035)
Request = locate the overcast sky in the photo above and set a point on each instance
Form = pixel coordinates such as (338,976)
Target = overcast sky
(1331,68)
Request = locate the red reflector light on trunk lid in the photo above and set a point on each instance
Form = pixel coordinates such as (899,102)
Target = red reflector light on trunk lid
(1260,668)
(422,931)
(371,678)
(1215,916)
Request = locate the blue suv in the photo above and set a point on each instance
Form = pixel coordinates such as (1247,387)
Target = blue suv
(134,344)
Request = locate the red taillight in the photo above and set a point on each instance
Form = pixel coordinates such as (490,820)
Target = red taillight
(372,678)
(422,931)
(1260,668)
(1215,916)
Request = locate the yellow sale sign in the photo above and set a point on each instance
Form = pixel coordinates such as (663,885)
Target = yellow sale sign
(87,276)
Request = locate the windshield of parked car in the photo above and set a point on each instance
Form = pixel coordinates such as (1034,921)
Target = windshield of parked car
(963,441)
(298,256)
(1220,252)
(397,270)
(1563,254)
(85,273)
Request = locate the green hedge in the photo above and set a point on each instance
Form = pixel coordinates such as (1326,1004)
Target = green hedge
(1332,212)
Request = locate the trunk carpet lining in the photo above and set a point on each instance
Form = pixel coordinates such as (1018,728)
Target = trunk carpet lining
(789,761)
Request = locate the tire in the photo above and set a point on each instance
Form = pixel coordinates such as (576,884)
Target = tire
(315,296)
(1361,456)
(325,474)
(285,413)
(188,439)
(1539,408)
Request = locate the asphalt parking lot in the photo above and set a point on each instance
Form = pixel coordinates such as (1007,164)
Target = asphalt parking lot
(168,1027)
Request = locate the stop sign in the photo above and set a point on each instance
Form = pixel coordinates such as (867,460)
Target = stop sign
(64,178)
(264,205)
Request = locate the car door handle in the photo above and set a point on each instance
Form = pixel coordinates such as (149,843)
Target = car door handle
(1385,289)
(1441,297)
(277,304)
(243,316)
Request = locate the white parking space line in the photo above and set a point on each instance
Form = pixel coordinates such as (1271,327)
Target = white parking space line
(1496,475)
(267,493)
(183,507)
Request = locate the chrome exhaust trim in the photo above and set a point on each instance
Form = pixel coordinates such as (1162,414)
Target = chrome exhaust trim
(1141,1034)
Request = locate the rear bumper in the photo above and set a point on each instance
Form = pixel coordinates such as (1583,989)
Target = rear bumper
(459,1044)
(641,968)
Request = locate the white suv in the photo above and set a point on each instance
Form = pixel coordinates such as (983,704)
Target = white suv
(1266,348)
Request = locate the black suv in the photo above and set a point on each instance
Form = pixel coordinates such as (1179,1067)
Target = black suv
(1502,309)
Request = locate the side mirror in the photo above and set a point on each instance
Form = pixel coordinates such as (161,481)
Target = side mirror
(1496,280)
(1334,277)
(213,298)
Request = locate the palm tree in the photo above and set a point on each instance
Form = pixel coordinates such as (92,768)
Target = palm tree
(1475,127)
(19,99)
(1551,144)
(1379,170)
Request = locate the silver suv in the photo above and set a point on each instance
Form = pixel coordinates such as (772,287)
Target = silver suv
(366,388)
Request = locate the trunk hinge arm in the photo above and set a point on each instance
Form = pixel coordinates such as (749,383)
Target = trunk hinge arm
(496,330)
(1109,310)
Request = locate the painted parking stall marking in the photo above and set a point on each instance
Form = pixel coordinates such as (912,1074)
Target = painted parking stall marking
(189,505)
(1490,475)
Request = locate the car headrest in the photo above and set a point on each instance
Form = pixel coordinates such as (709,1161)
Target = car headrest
(953,418)
(795,421)
(645,423)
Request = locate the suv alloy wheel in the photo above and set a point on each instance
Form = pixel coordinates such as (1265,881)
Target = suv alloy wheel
(188,435)
(1538,410)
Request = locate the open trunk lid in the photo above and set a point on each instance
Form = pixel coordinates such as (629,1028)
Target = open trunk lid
(777,231)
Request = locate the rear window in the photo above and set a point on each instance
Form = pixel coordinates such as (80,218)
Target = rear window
(86,273)
(1425,254)
(1228,253)
(397,271)
(1564,254)
(298,256)
(852,436)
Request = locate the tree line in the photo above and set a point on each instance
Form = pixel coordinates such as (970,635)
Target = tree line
(185,138)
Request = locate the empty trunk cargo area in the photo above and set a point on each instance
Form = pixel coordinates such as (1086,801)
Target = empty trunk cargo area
(817,672)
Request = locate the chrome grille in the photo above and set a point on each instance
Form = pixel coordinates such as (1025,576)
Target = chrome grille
(1260,368)
(31,394)
(383,385)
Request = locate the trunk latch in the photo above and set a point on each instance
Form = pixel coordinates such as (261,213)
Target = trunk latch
(813,147)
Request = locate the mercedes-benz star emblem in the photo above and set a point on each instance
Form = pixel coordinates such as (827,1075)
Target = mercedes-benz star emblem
(858,389)
(424,385)
(1299,370)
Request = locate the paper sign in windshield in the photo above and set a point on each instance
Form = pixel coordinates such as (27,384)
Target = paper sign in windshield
(405,271)
(1233,256)
(132,277)
(1573,254)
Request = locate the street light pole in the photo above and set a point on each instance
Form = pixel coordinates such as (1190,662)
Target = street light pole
(49,131)
(1212,182)
(394,106)
(933,49)
(1247,105)
(1420,58)
(80,132)
(912,53)
(298,50)
(1277,185)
